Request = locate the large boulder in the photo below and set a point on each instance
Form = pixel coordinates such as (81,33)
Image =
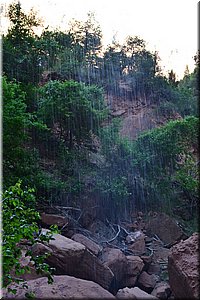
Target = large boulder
(133,293)
(165,228)
(116,261)
(65,254)
(91,268)
(69,257)
(183,268)
(89,244)
(63,287)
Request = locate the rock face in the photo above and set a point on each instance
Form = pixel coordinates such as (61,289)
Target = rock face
(133,293)
(69,257)
(165,228)
(89,244)
(63,287)
(183,268)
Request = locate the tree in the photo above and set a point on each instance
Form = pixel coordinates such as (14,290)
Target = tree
(75,109)
(19,161)
(20,51)
(172,77)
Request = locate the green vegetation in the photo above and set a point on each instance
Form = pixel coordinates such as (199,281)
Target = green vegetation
(59,139)
(20,222)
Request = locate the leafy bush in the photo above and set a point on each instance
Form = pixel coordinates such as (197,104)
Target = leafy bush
(20,222)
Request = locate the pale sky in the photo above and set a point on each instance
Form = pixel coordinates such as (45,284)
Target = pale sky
(167,26)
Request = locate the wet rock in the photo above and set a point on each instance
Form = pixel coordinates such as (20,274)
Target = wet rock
(63,287)
(50,219)
(65,254)
(128,281)
(154,268)
(138,246)
(134,265)
(116,261)
(133,293)
(165,228)
(91,268)
(147,282)
(89,244)
(69,257)
(161,290)
(183,268)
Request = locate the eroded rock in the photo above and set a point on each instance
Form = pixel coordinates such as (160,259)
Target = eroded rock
(138,246)
(183,268)
(89,244)
(165,228)
(116,261)
(161,290)
(91,268)
(50,219)
(65,254)
(63,287)
(69,257)
(134,265)
(133,293)
(147,282)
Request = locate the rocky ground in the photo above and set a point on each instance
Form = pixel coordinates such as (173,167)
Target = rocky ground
(149,258)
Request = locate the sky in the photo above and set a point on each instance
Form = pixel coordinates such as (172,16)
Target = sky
(167,26)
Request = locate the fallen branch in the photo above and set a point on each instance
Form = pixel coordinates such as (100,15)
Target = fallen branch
(151,251)
(111,240)
(68,208)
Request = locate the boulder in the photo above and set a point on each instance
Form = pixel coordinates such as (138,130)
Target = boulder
(134,265)
(63,287)
(116,261)
(183,268)
(138,246)
(154,268)
(89,244)
(165,228)
(161,290)
(50,219)
(65,254)
(128,281)
(133,293)
(147,282)
(91,268)
(69,257)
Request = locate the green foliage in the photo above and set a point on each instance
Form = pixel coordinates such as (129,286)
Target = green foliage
(18,160)
(21,53)
(75,109)
(20,222)
(158,154)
